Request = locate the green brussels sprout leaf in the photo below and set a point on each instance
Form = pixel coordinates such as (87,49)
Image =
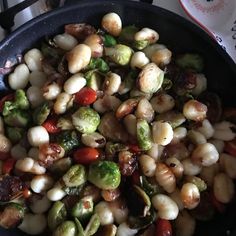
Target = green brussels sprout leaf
(144,134)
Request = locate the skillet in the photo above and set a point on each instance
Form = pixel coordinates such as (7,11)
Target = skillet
(177,33)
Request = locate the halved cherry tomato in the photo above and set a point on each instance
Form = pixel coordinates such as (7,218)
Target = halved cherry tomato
(163,227)
(51,126)
(230,147)
(8,97)
(8,166)
(86,155)
(85,96)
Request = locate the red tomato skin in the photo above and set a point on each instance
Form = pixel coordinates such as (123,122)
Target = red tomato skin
(8,166)
(85,96)
(86,155)
(8,97)
(134,148)
(230,147)
(163,227)
(51,126)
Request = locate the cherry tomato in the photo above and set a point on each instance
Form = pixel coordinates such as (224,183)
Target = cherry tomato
(86,155)
(8,97)
(4,156)
(230,147)
(85,96)
(163,228)
(135,177)
(51,126)
(8,166)
(134,148)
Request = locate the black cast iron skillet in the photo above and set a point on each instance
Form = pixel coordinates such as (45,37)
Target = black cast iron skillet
(177,33)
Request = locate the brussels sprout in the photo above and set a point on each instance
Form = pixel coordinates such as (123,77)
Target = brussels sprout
(120,54)
(41,113)
(73,191)
(150,79)
(80,230)
(109,40)
(86,120)
(75,176)
(113,148)
(144,134)
(68,140)
(12,215)
(18,118)
(94,79)
(104,174)
(56,215)
(83,209)
(98,63)
(141,44)
(92,226)
(127,34)
(149,188)
(67,228)
(60,166)
(174,118)
(15,134)
(197,181)
(190,61)
(20,102)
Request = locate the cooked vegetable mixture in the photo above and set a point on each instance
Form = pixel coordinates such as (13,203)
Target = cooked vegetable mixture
(107,132)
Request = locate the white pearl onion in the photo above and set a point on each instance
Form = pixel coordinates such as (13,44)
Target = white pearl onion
(41,183)
(201,84)
(219,144)
(179,134)
(205,154)
(190,168)
(162,56)
(162,133)
(148,165)
(196,137)
(33,224)
(144,110)
(124,230)
(74,84)
(151,49)
(112,23)
(147,34)
(166,208)
(223,131)
(5,144)
(206,129)
(138,60)
(18,152)
(104,213)
(37,78)
(228,164)
(223,188)
(162,103)
(65,41)
(33,59)
(78,58)
(19,78)
(130,122)
(62,103)
(41,205)
(112,83)
(190,195)
(175,196)
(37,136)
(55,194)
(25,164)
(35,96)
(51,91)
(208,173)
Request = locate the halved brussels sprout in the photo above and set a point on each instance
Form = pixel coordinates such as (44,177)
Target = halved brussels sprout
(104,174)
(92,226)
(41,113)
(98,63)
(15,134)
(75,176)
(56,215)
(67,228)
(68,140)
(144,134)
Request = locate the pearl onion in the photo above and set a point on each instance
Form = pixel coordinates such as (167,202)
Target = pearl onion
(37,136)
